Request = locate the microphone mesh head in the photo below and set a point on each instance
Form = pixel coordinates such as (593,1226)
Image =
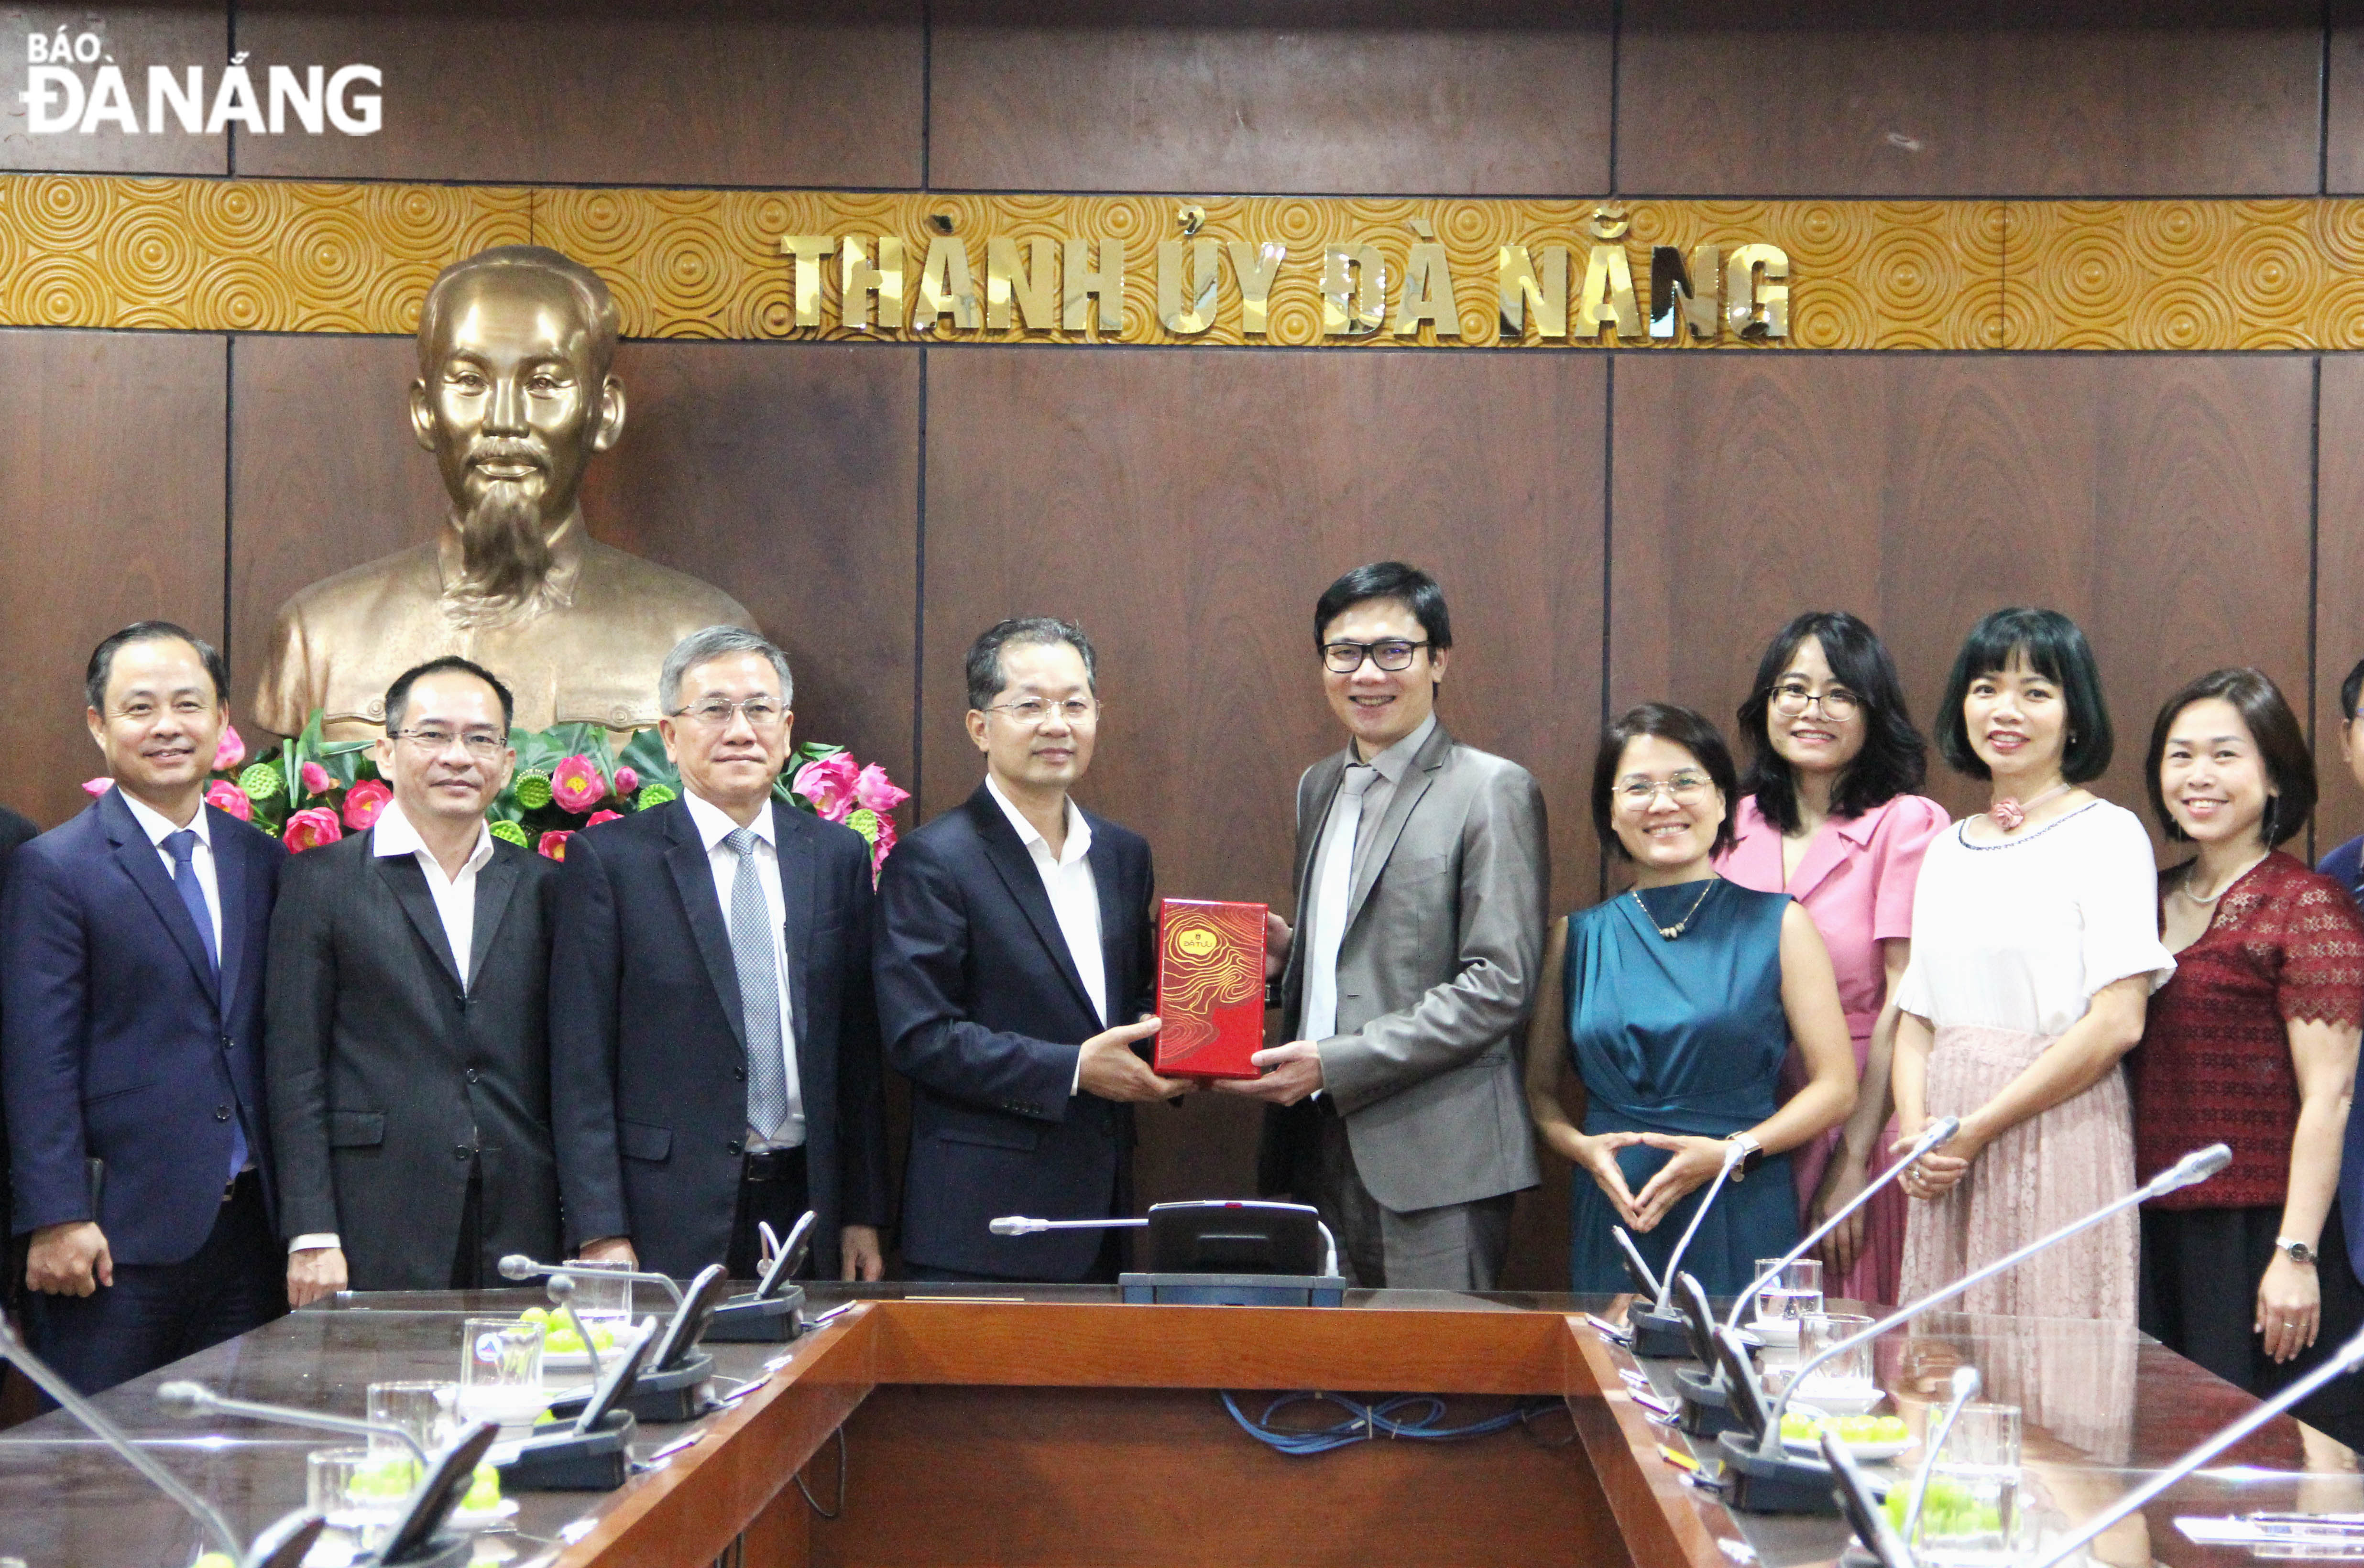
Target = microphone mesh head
(182,1397)
(517,1265)
(561,1287)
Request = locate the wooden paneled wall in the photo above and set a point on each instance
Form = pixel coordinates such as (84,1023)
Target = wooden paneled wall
(1610,526)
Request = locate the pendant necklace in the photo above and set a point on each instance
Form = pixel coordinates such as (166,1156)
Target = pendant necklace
(2009,813)
(1677,929)
(2184,886)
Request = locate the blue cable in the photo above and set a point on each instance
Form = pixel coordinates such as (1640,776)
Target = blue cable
(1365,1422)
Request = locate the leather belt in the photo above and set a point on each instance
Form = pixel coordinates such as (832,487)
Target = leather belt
(771,1165)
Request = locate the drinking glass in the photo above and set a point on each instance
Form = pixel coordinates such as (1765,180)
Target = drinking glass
(500,1370)
(1846,1379)
(599,1295)
(1789,1295)
(429,1412)
(1975,1517)
(358,1490)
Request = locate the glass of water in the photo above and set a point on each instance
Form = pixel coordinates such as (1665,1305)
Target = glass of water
(1974,1516)
(500,1370)
(1789,1295)
(357,1490)
(429,1412)
(601,1294)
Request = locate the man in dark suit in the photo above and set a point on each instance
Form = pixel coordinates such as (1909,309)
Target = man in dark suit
(132,1060)
(714,1047)
(1014,957)
(407,1029)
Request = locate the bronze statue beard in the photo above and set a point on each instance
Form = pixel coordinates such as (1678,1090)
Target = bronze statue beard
(505,552)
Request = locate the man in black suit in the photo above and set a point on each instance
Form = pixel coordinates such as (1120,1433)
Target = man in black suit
(714,1046)
(133,1056)
(1014,938)
(406,1031)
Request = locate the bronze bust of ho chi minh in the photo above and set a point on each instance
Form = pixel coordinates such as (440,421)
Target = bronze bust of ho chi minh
(514,396)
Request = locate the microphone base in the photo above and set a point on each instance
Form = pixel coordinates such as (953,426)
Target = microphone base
(1659,1335)
(446,1550)
(595,1462)
(1233,1290)
(1855,1556)
(759,1320)
(1774,1484)
(1706,1408)
(660,1399)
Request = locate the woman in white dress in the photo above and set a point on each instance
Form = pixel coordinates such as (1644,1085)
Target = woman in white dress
(2035,952)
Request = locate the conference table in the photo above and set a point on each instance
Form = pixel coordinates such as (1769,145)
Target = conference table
(1059,1426)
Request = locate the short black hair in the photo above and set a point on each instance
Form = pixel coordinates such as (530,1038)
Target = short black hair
(397,695)
(984,678)
(102,659)
(2282,746)
(1408,585)
(1894,760)
(2351,692)
(1687,728)
(2056,650)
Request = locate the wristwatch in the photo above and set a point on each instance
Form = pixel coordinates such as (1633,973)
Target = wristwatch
(2296,1251)
(1752,1154)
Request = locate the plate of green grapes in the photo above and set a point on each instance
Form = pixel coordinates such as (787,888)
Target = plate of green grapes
(1866,1437)
(562,1347)
(1950,1510)
(391,1480)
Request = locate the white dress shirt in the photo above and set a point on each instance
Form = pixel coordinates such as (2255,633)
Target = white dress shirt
(1391,765)
(715,825)
(1074,899)
(455,896)
(153,823)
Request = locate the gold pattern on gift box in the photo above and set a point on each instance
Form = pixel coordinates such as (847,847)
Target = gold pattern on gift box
(260,255)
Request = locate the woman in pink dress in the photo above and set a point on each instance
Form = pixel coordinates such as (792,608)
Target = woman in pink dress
(1830,819)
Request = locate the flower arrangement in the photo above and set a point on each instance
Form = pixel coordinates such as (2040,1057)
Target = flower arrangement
(310,792)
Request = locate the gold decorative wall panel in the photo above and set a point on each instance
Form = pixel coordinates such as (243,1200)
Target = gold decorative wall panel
(248,255)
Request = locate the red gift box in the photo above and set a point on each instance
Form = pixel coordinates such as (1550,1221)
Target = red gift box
(1209,988)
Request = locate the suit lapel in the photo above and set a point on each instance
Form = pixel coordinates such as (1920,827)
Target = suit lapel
(1408,789)
(1116,979)
(407,880)
(495,879)
(140,859)
(1015,865)
(230,887)
(792,837)
(693,878)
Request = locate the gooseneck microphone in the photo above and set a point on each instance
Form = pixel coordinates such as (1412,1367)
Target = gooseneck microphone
(1965,1388)
(189,1400)
(1733,1153)
(1934,1136)
(517,1266)
(562,1295)
(1763,1478)
(1023,1225)
(46,1380)
(2341,1362)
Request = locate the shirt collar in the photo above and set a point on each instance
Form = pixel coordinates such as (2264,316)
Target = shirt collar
(394,836)
(158,828)
(1079,832)
(1396,761)
(714,824)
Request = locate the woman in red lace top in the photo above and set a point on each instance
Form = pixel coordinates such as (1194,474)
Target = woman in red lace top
(2252,1043)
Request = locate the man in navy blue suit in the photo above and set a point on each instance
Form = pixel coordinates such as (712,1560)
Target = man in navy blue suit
(131,1036)
(1015,966)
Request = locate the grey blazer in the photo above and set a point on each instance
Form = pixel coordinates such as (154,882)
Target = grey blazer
(1444,931)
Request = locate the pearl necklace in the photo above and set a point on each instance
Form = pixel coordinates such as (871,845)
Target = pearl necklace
(1677,929)
(2183,889)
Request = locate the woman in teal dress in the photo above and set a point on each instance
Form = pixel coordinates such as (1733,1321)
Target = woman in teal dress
(1677,1001)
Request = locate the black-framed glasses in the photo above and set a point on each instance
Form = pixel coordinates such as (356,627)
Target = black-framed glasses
(1037,711)
(1392,654)
(482,744)
(716,713)
(1791,698)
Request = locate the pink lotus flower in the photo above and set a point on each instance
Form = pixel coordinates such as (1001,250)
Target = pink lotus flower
(224,796)
(364,803)
(97,787)
(576,786)
(881,848)
(874,789)
(231,752)
(829,784)
(554,843)
(316,780)
(311,828)
(627,783)
(599,816)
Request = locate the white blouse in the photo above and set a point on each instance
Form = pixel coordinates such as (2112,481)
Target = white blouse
(2019,935)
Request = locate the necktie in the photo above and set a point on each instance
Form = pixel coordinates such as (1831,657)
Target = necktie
(1336,879)
(182,847)
(759,988)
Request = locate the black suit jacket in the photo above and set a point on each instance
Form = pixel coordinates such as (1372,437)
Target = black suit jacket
(981,1005)
(14,831)
(648,1063)
(388,1083)
(121,1043)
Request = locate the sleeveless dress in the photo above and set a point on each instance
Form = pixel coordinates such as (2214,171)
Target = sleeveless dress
(1683,1037)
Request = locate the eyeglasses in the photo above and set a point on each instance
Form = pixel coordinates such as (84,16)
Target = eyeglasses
(1345,658)
(1037,711)
(1791,698)
(482,744)
(1683,789)
(715,713)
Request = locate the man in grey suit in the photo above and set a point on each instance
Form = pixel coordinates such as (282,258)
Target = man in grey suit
(1422,873)
(406,1036)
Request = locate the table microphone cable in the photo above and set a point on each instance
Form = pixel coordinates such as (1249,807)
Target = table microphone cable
(1385,1419)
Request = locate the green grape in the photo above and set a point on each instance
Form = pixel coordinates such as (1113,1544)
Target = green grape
(484,1491)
